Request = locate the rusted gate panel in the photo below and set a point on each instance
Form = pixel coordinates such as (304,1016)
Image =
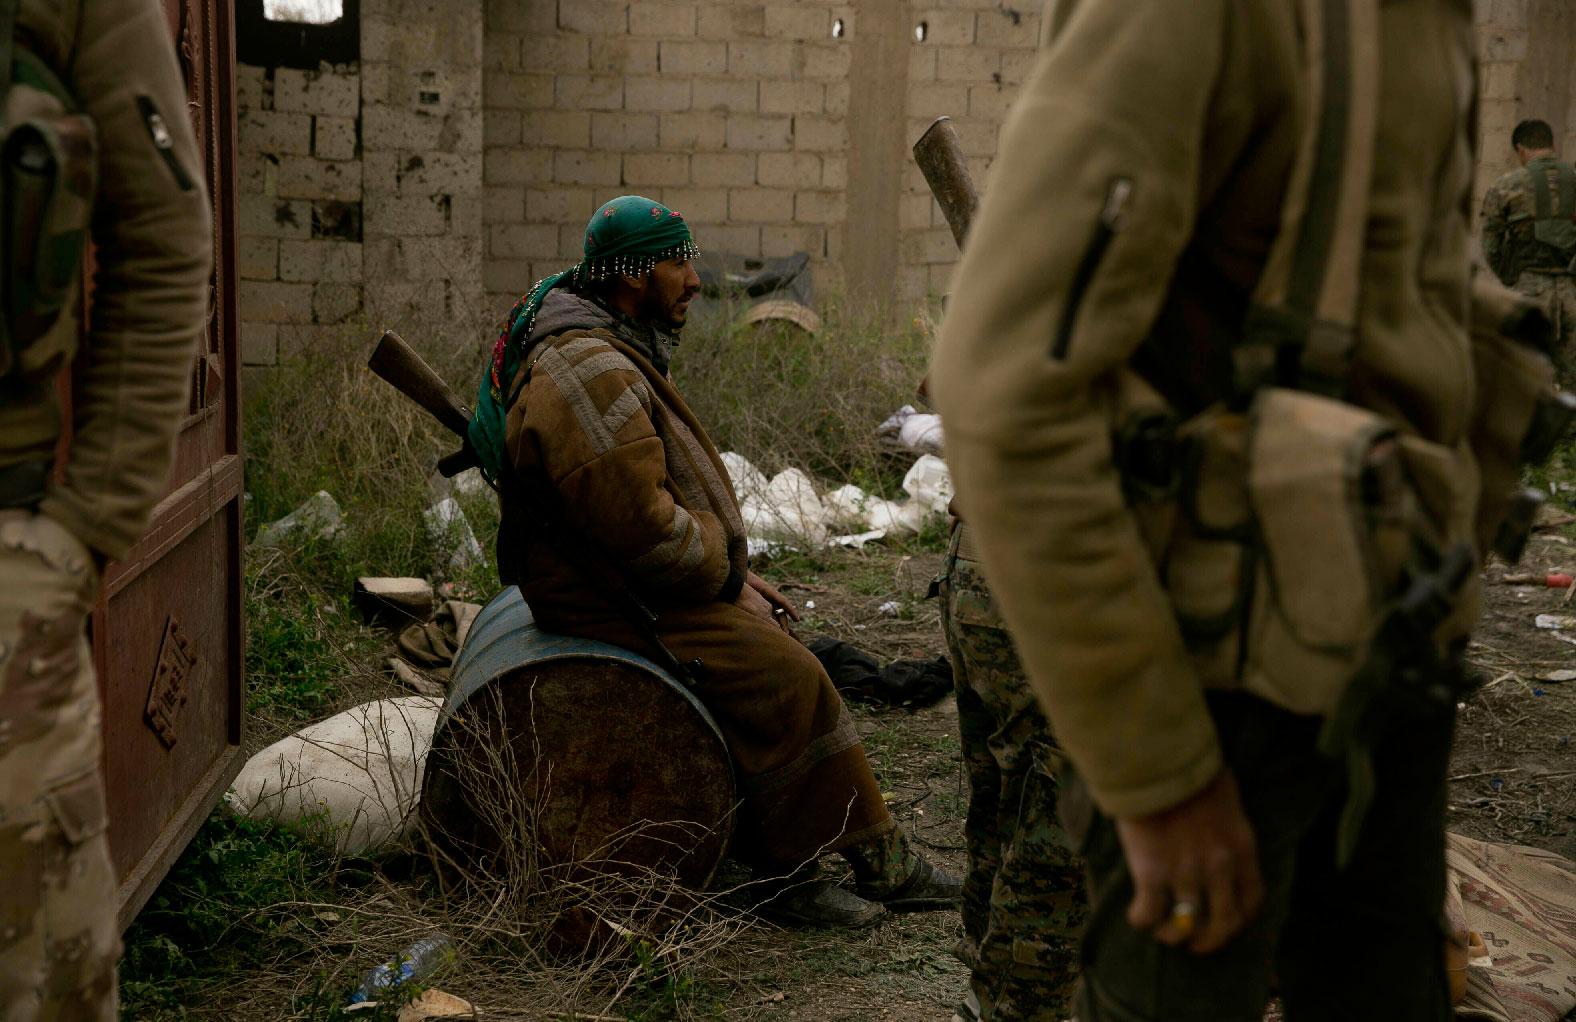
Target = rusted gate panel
(167,629)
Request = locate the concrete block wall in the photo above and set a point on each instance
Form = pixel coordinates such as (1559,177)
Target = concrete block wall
(360,186)
(745,117)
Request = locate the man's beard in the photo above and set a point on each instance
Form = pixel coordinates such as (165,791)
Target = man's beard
(660,313)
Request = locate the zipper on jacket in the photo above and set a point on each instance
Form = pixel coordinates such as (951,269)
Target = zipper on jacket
(163,141)
(1113,217)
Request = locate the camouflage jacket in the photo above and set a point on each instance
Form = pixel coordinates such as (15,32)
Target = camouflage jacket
(1509,225)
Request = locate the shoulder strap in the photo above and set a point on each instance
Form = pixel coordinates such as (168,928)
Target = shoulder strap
(8,9)
(1559,202)
(1542,195)
(1565,176)
(1300,326)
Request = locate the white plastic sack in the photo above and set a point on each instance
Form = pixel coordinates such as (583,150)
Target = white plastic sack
(352,780)
(915,430)
(788,510)
(895,519)
(845,507)
(929,484)
(450,533)
(749,483)
(318,518)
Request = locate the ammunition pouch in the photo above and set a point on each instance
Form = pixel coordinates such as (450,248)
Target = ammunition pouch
(48,180)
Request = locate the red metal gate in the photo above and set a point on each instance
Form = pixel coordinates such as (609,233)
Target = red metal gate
(167,631)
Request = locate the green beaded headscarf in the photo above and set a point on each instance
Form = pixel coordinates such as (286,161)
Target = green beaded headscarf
(626,237)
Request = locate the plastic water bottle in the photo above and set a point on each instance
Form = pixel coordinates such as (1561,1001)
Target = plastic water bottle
(419,960)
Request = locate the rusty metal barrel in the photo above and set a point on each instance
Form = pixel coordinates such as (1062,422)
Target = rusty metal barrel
(592,752)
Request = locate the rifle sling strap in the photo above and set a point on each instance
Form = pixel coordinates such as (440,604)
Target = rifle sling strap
(8,11)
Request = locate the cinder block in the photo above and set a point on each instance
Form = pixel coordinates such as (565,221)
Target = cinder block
(623,56)
(837,98)
(557,129)
(407,216)
(264,216)
(1007,27)
(760,205)
(912,284)
(320,261)
(931,245)
(699,205)
(270,131)
(503,204)
(501,51)
(532,17)
(798,21)
(793,97)
(501,128)
(257,258)
(334,138)
(913,211)
(763,58)
(779,240)
(967,64)
(302,177)
(748,131)
(385,127)
(990,102)
(667,20)
(507,276)
(692,131)
(725,169)
(819,207)
(813,134)
(921,64)
(834,171)
(571,243)
(510,91)
(259,343)
(335,303)
(734,239)
(730,94)
(939,277)
(253,91)
(587,168)
(1016,65)
(522,241)
(935,99)
(337,93)
(559,205)
(656,94)
(789,170)
(688,57)
(434,172)
(556,53)
(731,21)
(517,166)
(642,170)
(829,60)
(623,132)
(946,27)
(586,92)
(273,301)
(256,174)
(594,17)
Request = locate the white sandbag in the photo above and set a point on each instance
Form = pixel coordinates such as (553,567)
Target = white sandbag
(895,519)
(788,510)
(845,507)
(352,780)
(915,430)
(318,518)
(450,533)
(929,483)
(749,482)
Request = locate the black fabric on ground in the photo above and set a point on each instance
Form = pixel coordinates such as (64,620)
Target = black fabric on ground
(858,675)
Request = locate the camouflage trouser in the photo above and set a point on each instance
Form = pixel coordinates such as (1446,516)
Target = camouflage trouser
(1023,900)
(1558,292)
(58,938)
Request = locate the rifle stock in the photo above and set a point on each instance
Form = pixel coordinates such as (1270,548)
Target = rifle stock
(398,364)
(940,157)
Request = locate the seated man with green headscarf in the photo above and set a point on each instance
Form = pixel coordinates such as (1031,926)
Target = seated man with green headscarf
(578,423)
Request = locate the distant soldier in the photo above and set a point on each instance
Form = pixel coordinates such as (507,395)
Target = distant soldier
(88,89)
(1529,232)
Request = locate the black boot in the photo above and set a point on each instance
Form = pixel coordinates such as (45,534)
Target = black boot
(928,887)
(802,899)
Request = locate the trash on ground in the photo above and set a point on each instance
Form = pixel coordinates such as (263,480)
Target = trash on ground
(318,518)
(451,534)
(1555,622)
(788,513)
(857,540)
(416,962)
(1553,580)
(1551,517)
(845,507)
(434,645)
(1557,676)
(913,430)
(351,781)
(435,1004)
(859,675)
(930,484)
(393,601)
(889,609)
(415,680)
(748,481)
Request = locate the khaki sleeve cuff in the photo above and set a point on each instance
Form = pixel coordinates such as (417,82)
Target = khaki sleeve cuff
(1162,785)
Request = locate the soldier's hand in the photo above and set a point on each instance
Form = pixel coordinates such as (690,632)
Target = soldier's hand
(753,602)
(1195,869)
(780,603)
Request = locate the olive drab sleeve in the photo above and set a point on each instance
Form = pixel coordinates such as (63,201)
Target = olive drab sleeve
(1090,202)
(154,241)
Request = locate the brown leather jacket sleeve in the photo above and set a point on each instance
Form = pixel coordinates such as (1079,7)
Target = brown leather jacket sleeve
(154,251)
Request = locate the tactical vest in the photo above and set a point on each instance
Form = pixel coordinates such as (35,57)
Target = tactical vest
(1554,222)
(48,179)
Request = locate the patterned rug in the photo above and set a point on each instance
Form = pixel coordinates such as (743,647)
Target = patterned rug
(1523,902)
